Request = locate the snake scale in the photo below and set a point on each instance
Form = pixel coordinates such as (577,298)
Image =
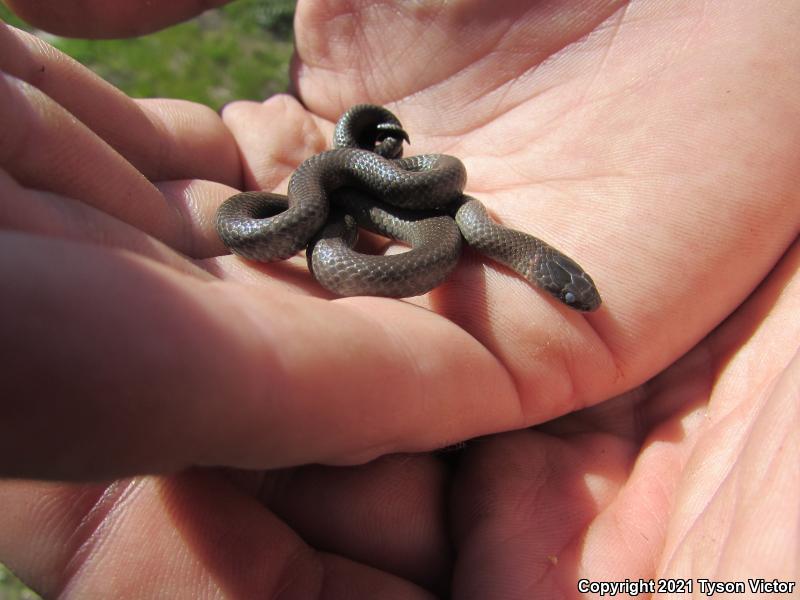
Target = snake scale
(419,200)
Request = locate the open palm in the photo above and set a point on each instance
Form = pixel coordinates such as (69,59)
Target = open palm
(654,145)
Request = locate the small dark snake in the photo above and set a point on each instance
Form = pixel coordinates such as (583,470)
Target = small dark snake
(418,200)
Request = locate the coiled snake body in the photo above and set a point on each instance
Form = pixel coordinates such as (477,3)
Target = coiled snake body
(418,200)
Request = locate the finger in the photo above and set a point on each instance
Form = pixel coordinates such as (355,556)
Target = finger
(387,514)
(52,215)
(196,533)
(47,149)
(197,201)
(104,19)
(274,137)
(164,139)
(154,371)
(189,142)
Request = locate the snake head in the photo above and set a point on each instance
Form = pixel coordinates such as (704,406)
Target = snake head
(568,282)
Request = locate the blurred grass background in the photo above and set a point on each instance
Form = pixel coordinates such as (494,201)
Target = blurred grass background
(240,51)
(12,588)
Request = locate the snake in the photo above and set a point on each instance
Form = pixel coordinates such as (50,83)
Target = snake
(365,181)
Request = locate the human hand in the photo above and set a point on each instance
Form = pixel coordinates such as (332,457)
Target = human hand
(662,145)
(107,362)
(645,325)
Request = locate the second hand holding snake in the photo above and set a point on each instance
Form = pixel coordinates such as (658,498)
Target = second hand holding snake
(419,200)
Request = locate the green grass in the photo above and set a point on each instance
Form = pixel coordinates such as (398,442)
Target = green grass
(12,588)
(240,51)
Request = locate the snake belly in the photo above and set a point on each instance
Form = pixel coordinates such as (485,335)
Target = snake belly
(418,200)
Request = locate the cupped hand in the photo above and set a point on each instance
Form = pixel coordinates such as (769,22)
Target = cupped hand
(652,144)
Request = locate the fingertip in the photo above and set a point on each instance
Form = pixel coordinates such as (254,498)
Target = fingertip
(107,19)
(194,143)
(274,137)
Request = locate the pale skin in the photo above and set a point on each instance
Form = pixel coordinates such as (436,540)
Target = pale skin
(655,142)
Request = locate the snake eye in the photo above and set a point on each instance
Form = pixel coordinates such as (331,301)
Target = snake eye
(569,298)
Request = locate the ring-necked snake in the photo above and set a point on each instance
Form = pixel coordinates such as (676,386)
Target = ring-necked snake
(418,200)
